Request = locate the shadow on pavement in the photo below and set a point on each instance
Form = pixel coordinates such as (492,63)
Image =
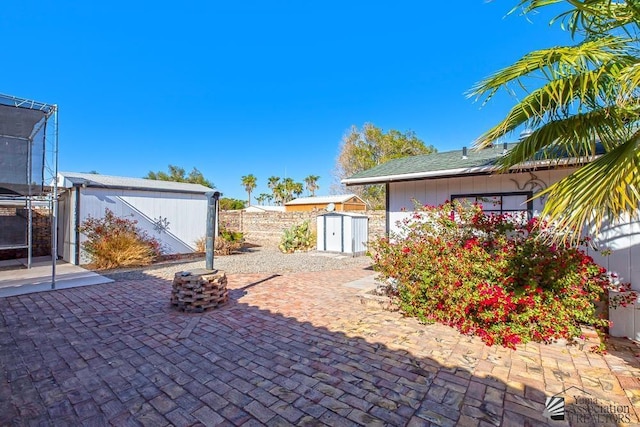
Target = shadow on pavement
(120,354)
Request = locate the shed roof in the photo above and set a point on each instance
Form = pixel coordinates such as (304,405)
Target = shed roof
(450,163)
(350,214)
(339,198)
(74,179)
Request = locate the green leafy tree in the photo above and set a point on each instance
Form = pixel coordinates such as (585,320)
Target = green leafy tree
(311,183)
(576,98)
(370,146)
(178,174)
(229,204)
(249,182)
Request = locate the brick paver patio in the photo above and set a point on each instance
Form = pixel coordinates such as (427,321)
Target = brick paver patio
(296,349)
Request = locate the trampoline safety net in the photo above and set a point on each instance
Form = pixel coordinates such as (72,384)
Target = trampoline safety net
(22,165)
(22,152)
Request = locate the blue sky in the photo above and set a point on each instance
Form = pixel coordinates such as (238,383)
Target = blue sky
(261,87)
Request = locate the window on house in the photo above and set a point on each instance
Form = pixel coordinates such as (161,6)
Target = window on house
(500,202)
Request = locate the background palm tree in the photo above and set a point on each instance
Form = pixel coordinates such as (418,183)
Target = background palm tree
(272,183)
(588,100)
(263,197)
(249,183)
(279,194)
(289,186)
(312,184)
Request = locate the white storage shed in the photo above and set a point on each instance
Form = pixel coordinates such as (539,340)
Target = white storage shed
(343,232)
(175,213)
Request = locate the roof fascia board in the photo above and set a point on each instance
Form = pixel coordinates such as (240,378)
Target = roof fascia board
(124,187)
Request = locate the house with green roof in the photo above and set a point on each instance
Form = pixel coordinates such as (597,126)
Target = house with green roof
(472,175)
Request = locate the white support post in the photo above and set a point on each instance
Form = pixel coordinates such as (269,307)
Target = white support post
(54,215)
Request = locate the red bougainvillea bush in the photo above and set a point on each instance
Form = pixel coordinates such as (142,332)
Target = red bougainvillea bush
(491,275)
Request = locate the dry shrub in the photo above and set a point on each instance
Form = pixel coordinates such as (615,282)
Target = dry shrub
(118,242)
(226,243)
(201,244)
(122,250)
(226,247)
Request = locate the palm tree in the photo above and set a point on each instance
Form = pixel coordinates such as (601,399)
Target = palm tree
(588,98)
(312,184)
(289,189)
(262,197)
(297,189)
(272,183)
(249,183)
(279,194)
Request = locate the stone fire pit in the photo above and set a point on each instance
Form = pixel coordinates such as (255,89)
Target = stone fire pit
(198,290)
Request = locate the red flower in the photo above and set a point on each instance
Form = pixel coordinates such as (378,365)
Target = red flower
(470,243)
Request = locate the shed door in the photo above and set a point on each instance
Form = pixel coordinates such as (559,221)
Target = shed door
(333,233)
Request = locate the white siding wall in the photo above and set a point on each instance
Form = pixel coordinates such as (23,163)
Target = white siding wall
(359,235)
(186,214)
(437,191)
(622,239)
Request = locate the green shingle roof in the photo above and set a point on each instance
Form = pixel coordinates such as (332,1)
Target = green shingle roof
(445,161)
(448,163)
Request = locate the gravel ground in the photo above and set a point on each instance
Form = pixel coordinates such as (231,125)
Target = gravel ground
(253,260)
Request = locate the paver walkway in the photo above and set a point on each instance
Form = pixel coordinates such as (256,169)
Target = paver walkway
(296,349)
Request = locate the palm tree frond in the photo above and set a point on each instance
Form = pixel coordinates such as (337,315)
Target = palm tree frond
(592,16)
(555,101)
(574,136)
(602,190)
(567,59)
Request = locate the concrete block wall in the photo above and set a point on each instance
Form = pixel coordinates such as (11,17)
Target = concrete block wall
(266,228)
(41,232)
